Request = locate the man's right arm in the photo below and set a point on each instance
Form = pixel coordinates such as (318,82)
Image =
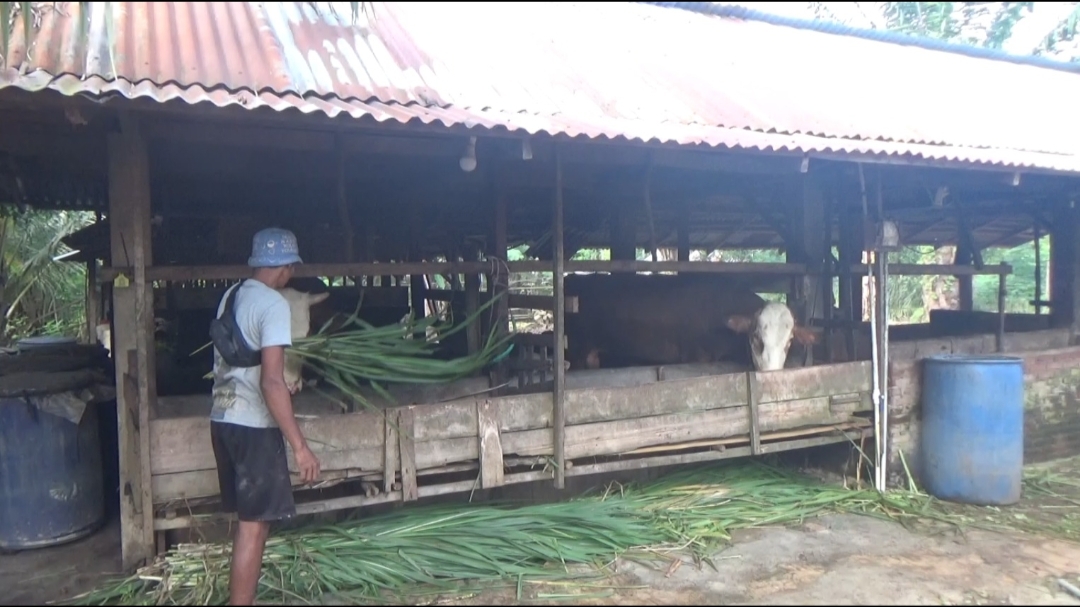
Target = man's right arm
(279,402)
(275,336)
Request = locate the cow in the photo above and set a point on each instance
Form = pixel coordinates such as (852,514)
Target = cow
(630,320)
(300,304)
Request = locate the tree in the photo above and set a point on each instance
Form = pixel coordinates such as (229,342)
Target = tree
(1052,27)
(10,13)
(39,295)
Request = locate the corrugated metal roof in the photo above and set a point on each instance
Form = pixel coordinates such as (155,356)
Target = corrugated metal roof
(615,70)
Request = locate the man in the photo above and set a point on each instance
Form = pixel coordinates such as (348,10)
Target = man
(253,410)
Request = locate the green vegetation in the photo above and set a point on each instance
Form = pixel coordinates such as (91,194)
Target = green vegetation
(420,550)
(40,296)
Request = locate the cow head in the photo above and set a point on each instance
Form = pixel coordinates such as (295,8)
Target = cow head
(300,312)
(771,330)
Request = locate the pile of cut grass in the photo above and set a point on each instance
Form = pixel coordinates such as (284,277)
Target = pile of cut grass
(397,554)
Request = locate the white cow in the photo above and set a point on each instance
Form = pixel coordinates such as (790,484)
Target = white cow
(771,331)
(300,311)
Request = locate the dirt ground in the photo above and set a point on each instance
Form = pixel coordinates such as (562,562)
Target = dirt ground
(840,560)
(33,577)
(835,559)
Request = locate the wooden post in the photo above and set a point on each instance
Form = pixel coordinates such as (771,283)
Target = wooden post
(472,303)
(133,352)
(684,231)
(558,290)
(417,282)
(649,209)
(851,246)
(808,229)
(623,232)
(93,312)
(1000,333)
(1064,266)
(501,283)
(966,285)
(342,200)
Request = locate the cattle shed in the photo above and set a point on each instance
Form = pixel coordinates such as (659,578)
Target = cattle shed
(614,126)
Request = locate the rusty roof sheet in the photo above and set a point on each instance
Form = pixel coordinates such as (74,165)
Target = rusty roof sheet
(582,69)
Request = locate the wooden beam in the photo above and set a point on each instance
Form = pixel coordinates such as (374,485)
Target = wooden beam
(447,143)
(191,273)
(129,211)
(515,300)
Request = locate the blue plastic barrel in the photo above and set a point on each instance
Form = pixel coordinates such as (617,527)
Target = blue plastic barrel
(50,476)
(972,446)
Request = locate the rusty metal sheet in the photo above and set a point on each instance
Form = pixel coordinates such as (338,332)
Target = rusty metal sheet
(594,70)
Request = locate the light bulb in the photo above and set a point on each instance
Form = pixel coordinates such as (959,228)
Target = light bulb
(468,160)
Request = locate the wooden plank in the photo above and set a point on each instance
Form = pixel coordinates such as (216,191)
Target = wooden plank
(919,269)
(753,389)
(491,454)
(407,454)
(180,445)
(809,382)
(357,440)
(391,461)
(608,438)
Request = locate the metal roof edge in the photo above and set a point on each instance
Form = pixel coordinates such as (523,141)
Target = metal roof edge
(826,27)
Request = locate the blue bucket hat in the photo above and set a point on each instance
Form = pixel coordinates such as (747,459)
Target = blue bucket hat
(272,248)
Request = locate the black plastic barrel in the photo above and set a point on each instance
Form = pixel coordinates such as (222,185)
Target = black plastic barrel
(50,476)
(973,428)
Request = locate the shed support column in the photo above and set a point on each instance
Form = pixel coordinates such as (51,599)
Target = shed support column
(500,283)
(851,247)
(623,231)
(1064,266)
(559,372)
(132,327)
(809,228)
(966,284)
(684,232)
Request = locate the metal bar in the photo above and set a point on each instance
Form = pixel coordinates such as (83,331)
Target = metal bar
(558,291)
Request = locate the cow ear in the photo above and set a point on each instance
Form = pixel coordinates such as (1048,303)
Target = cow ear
(317,299)
(740,324)
(804,336)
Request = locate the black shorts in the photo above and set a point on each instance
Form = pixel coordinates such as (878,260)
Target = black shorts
(253,472)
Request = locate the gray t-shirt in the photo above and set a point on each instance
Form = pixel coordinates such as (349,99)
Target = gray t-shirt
(264,319)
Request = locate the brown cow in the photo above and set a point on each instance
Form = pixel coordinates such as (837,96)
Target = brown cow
(630,320)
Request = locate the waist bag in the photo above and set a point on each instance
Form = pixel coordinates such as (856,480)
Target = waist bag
(229,341)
